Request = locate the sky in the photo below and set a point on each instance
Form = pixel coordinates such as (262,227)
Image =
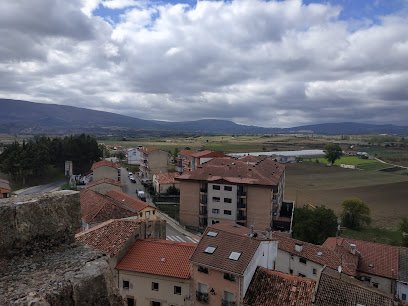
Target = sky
(255,62)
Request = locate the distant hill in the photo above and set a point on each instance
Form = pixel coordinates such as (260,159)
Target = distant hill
(23,117)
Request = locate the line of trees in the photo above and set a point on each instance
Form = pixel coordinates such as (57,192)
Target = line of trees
(33,158)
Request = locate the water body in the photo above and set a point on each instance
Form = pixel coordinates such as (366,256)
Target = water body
(313,152)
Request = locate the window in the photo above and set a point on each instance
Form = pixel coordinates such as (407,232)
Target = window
(227,212)
(302,275)
(212,234)
(177,290)
(290,271)
(228,188)
(302,260)
(230,277)
(215,211)
(154,303)
(155,286)
(125,284)
(404,297)
(216,187)
(216,199)
(202,269)
(227,200)
(210,249)
(234,255)
(375,285)
(314,271)
(130,301)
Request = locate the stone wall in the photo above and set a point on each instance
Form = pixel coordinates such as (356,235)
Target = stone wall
(40,264)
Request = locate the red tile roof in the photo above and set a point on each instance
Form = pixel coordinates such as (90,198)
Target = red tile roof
(158,257)
(264,172)
(187,152)
(375,258)
(102,181)
(128,200)
(327,256)
(111,236)
(96,207)
(166,178)
(207,153)
(230,238)
(104,163)
(269,287)
(337,289)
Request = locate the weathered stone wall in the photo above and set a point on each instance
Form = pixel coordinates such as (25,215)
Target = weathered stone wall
(40,221)
(40,264)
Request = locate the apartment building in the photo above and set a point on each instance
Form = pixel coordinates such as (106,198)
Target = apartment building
(156,273)
(105,169)
(247,192)
(189,160)
(224,262)
(153,161)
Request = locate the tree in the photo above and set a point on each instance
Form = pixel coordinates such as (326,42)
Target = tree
(404,231)
(172,190)
(355,214)
(332,152)
(314,225)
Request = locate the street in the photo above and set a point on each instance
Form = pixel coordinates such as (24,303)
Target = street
(40,188)
(174,231)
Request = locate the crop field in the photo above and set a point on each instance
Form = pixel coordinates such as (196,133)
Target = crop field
(363,164)
(385,193)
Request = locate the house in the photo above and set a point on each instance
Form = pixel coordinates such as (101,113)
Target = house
(225,261)
(156,273)
(402,281)
(276,288)
(134,156)
(105,169)
(378,264)
(304,259)
(153,161)
(249,193)
(104,185)
(162,181)
(337,289)
(97,207)
(115,236)
(5,190)
(189,160)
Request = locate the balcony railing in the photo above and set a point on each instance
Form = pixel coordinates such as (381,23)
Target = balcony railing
(202,189)
(241,217)
(202,297)
(241,204)
(203,211)
(227,303)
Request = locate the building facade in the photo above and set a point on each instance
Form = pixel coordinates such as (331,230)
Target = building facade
(249,193)
(5,190)
(153,161)
(105,169)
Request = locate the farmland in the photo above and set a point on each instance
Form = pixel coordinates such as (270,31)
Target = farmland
(385,193)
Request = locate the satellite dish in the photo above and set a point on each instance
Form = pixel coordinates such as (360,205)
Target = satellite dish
(339,269)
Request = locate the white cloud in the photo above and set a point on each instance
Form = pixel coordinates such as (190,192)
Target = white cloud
(270,63)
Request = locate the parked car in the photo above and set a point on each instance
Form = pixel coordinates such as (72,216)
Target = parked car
(130,174)
(146,182)
(141,195)
(132,179)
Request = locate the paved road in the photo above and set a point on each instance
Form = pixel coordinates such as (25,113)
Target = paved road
(40,188)
(174,231)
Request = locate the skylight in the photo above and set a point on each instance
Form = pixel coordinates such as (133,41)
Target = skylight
(212,234)
(234,255)
(210,249)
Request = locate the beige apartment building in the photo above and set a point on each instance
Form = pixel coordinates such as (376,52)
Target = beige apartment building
(156,273)
(105,169)
(249,192)
(153,161)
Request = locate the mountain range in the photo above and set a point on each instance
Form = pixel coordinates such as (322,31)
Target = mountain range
(23,117)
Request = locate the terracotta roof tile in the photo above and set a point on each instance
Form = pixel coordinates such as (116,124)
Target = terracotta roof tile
(128,200)
(187,152)
(97,208)
(337,289)
(318,254)
(102,181)
(166,178)
(110,236)
(230,238)
(269,287)
(158,257)
(208,153)
(104,163)
(265,172)
(375,258)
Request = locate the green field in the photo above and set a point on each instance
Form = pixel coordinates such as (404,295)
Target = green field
(360,163)
(380,235)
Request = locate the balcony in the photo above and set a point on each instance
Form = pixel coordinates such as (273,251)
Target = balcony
(203,211)
(203,200)
(241,204)
(202,297)
(227,303)
(241,217)
(203,189)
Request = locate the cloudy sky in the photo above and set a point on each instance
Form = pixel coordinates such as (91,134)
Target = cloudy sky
(267,63)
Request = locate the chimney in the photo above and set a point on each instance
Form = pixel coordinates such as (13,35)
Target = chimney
(353,248)
(298,247)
